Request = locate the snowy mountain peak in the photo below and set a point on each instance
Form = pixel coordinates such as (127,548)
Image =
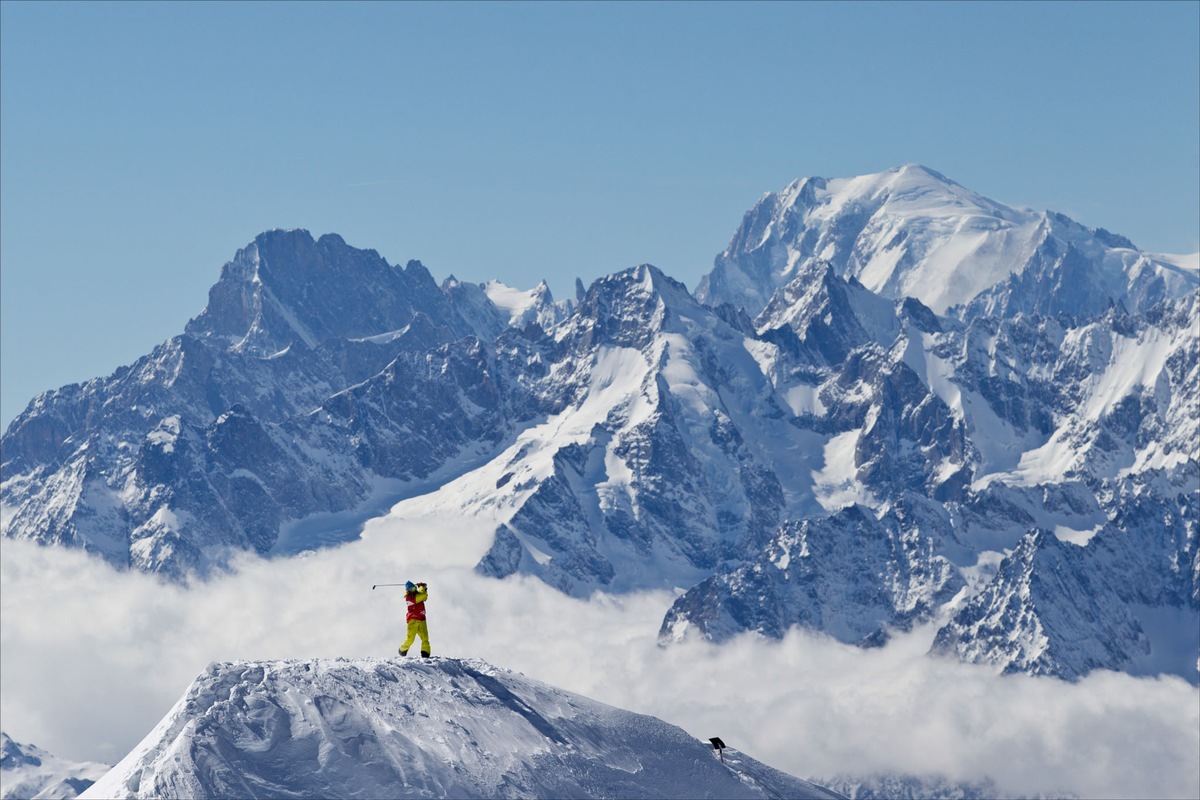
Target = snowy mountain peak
(628,308)
(523,307)
(492,307)
(828,314)
(912,232)
(646,279)
(286,289)
(911,189)
(438,727)
(13,755)
(641,284)
(28,771)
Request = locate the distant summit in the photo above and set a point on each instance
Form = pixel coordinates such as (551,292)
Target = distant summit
(913,232)
(286,288)
(30,772)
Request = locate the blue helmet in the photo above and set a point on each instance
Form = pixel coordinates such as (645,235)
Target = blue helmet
(409,586)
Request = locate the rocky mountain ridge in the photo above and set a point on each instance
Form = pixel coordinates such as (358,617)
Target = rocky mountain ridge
(809,446)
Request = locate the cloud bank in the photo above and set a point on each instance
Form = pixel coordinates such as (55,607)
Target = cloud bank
(91,659)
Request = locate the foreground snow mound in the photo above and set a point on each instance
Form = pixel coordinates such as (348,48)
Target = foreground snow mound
(30,772)
(430,728)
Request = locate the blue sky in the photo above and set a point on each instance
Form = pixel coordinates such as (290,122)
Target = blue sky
(141,144)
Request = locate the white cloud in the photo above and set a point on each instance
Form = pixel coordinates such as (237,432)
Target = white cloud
(90,660)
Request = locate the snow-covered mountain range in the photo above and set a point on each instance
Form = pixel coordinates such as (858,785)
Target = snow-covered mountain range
(30,773)
(430,728)
(892,401)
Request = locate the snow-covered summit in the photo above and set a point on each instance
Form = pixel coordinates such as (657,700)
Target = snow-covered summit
(912,232)
(630,307)
(523,307)
(27,771)
(493,306)
(430,728)
(288,288)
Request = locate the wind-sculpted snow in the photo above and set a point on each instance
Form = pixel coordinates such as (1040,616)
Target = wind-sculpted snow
(429,728)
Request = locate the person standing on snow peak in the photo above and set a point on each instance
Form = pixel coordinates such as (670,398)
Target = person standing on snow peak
(416,595)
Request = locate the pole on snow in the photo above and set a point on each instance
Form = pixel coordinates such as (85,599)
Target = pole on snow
(719,746)
(387,584)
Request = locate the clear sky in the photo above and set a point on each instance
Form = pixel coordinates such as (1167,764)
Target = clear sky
(141,144)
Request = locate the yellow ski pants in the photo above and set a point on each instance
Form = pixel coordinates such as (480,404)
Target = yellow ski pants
(417,627)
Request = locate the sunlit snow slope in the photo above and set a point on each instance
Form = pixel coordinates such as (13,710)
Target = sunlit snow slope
(429,728)
(912,232)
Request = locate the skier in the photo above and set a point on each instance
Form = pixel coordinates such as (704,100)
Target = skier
(415,595)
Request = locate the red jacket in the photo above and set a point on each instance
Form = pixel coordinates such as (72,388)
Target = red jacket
(416,605)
